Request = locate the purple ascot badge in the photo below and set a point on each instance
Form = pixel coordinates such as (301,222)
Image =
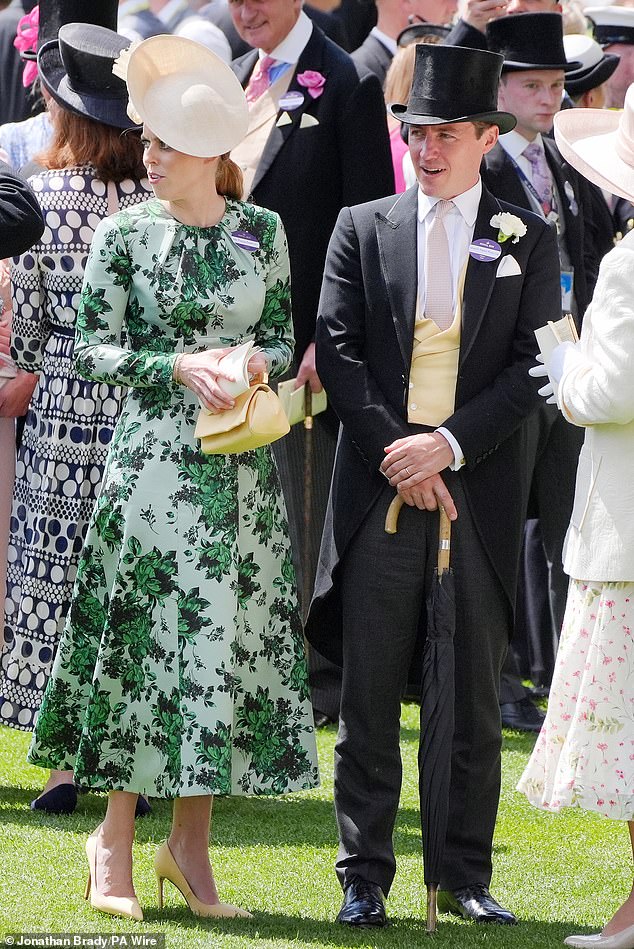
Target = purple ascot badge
(245,241)
(485,249)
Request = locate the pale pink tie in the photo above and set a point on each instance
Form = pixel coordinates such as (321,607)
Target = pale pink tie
(438,293)
(260,79)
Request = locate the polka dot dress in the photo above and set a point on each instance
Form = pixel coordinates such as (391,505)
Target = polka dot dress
(66,437)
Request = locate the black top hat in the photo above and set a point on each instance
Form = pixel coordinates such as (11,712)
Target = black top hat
(77,71)
(414,32)
(530,41)
(53,14)
(454,84)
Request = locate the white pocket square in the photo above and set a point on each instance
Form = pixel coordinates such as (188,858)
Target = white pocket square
(284,119)
(307,121)
(508,267)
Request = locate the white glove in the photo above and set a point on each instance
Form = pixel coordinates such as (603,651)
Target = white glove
(563,358)
(541,372)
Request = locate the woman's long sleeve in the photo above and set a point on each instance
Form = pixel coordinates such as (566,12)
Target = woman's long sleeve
(274,329)
(99,354)
(599,387)
(31,325)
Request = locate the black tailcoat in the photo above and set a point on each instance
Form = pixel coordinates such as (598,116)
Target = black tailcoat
(21,221)
(364,347)
(501,178)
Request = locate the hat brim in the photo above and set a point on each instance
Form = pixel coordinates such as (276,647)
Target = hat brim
(586,138)
(504,120)
(416,30)
(511,65)
(583,80)
(180,66)
(110,111)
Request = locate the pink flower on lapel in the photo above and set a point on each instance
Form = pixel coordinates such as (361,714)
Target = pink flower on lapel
(313,81)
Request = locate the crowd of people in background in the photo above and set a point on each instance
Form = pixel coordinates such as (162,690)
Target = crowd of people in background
(155,600)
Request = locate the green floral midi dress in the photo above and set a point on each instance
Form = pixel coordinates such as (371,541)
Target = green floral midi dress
(181,670)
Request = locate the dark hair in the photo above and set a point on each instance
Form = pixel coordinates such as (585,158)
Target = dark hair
(229,181)
(481,127)
(78,140)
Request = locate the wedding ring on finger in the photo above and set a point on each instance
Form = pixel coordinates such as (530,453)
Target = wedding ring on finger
(407,472)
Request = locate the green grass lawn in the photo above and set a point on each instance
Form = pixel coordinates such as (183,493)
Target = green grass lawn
(559,873)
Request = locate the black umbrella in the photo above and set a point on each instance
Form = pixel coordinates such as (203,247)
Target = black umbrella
(436,710)
(308,497)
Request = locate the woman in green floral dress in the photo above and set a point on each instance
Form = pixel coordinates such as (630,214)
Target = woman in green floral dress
(181,672)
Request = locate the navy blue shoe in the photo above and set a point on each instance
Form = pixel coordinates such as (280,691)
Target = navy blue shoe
(143,807)
(59,800)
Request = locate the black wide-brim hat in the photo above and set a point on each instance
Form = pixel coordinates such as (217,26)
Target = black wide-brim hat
(454,84)
(592,74)
(530,41)
(77,71)
(416,30)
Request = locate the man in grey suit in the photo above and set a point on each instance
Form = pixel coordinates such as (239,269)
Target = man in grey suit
(424,353)
(393,16)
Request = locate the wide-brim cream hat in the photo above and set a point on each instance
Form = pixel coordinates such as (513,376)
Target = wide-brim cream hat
(599,143)
(187,96)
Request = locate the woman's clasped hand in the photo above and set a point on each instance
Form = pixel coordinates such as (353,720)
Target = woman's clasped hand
(203,373)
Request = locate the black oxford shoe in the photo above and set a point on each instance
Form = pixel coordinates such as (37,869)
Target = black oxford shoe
(474,902)
(523,715)
(363,904)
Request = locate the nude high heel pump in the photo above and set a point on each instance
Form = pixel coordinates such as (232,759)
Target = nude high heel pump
(114,905)
(622,940)
(166,868)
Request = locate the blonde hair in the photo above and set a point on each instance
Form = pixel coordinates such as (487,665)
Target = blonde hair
(229,181)
(400,75)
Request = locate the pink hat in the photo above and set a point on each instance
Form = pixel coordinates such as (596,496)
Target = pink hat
(599,143)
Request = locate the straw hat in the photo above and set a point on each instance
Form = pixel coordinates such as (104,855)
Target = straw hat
(599,143)
(614,24)
(187,96)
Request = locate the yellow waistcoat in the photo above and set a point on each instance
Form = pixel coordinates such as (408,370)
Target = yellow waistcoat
(434,370)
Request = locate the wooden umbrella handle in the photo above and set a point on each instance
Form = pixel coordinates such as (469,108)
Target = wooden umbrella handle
(444,540)
(393,511)
(444,529)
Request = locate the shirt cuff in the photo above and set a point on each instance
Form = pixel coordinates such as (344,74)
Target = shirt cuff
(458,457)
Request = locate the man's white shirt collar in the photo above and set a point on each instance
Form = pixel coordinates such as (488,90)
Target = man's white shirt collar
(514,144)
(467,203)
(294,43)
(385,40)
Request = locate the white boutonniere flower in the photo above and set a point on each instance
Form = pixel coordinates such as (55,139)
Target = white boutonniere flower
(509,226)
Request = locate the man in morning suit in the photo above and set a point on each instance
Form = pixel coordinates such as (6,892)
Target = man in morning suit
(527,169)
(423,345)
(394,16)
(317,141)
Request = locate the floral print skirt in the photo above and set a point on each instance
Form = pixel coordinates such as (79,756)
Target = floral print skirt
(181,670)
(584,754)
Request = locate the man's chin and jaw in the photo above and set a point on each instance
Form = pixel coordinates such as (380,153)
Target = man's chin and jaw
(447,157)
